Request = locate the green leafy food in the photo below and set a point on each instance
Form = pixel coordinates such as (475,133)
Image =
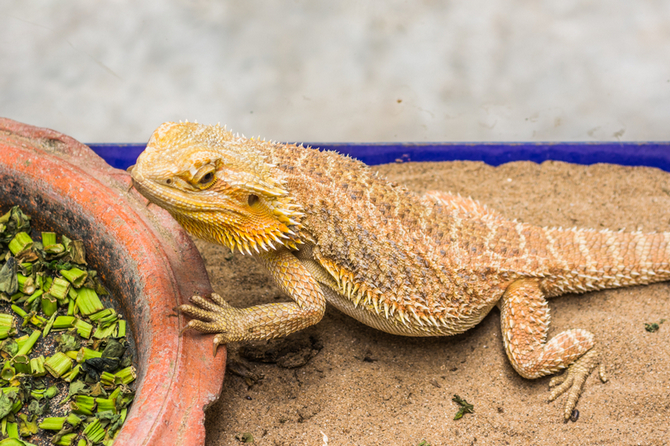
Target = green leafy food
(465,407)
(13,222)
(6,405)
(9,282)
(654,326)
(64,352)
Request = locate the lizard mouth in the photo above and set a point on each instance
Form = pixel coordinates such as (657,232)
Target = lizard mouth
(172,199)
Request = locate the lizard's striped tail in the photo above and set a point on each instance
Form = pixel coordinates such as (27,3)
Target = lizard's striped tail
(586,259)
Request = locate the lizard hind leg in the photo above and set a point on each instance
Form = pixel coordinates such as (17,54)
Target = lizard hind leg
(525,318)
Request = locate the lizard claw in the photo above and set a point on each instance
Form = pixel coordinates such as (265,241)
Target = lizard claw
(198,325)
(218,340)
(187,326)
(572,380)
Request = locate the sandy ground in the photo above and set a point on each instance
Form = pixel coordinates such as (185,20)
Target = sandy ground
(364,387)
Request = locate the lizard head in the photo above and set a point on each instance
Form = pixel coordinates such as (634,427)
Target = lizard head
(218,186)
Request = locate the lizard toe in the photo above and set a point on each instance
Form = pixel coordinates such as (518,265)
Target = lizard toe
(198,313)
(205,327)
(573,379)
(205,304)
(220,301)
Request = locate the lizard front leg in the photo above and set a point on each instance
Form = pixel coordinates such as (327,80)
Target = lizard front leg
(266,321)
(525,318)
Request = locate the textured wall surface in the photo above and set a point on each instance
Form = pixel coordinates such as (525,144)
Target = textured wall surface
(320,70)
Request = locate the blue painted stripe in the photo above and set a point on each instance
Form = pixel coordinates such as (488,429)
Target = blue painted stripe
(652,154)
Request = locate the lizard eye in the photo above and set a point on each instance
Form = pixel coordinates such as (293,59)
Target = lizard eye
(209,176)
(204,178)
(253,199)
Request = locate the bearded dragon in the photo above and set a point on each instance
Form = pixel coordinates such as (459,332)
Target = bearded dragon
(328,228)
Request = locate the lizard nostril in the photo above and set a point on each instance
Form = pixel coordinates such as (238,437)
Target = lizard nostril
(168,181)
(253,199)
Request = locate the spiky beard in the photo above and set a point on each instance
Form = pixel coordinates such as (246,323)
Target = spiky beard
(266,238)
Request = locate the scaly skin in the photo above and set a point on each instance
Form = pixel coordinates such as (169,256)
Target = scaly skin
(329,229)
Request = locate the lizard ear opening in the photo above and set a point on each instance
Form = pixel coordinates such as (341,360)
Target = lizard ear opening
(252,199)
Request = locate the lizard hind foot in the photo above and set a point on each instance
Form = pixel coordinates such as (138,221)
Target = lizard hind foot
(573,379)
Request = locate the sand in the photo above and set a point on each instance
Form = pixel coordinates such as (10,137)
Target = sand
(359,386)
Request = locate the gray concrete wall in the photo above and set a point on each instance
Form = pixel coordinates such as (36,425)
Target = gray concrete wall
(324,70)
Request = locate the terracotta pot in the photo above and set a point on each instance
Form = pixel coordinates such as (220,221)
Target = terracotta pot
(144,257)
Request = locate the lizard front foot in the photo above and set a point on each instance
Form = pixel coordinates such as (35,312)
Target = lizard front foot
(215,317)
(572,380)
(266,321)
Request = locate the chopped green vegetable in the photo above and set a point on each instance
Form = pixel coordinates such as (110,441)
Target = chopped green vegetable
(20,242)
(75,276)
(94,431)
(77,252)
(7,325)
(33,297)
(54,249)
(84,329)
(21,364)
(121,333)
(58,364)
(653,327)
(49,304)
(26,284)
(246,437)
(59,288)
(465,407)
(107,380)
(86,353)
(63,322)
(49,238)
(68,342)
(27,427)
(88,301)
(12,430)
(51,392)
(96,317)
(49,324)
(29,344)
(114,349)
(83,404)
(48,285)
(106,404)
(127,375)
(103,333)
(72,374)
(72,303)
(15,442)
(37,366)
(6,404)
(66,439)
(9,283)
(53,423)
(8,372)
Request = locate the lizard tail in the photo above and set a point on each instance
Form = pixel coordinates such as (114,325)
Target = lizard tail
(585,260)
